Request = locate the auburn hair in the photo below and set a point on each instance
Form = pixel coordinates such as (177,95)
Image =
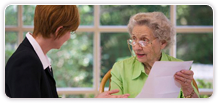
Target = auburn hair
(48,18)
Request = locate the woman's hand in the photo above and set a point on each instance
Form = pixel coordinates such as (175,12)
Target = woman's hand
(185,77)
(107,94)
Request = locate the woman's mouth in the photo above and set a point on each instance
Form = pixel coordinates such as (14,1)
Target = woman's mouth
(140,55)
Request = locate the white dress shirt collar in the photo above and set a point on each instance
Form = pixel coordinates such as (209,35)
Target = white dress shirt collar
(43,58)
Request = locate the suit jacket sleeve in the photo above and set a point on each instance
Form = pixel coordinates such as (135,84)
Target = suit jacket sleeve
(24,74)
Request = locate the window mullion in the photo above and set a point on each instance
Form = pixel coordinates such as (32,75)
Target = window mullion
(97,53)
(20,24)
(173,21)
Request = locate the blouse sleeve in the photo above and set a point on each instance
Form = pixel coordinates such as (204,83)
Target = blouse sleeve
(116,81)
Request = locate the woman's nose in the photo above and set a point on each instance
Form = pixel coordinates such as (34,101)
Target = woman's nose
(137,46)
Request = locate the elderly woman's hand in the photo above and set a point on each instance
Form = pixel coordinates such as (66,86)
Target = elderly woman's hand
(107,94)
(185,77)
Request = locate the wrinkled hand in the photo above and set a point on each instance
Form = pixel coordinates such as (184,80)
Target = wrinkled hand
(185,77)
(107,94)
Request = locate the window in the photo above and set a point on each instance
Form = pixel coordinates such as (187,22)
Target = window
(110,14)
(102,37)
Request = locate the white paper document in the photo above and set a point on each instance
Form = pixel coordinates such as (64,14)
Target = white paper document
(160,82)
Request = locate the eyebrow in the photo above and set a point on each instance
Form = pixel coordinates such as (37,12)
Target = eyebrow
(143,35)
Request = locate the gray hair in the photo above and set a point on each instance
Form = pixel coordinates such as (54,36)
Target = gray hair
(157,22)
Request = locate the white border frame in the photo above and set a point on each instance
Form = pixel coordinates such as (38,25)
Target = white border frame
(97,29)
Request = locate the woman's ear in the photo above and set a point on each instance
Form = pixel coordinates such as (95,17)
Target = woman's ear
(163,44)
(58,30)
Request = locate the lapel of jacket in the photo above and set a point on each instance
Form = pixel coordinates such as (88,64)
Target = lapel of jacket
(27,44)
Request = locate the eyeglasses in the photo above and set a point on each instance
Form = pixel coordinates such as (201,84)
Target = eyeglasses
(141,42)
(73,33)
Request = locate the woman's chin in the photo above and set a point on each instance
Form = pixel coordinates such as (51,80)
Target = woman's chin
(141,60)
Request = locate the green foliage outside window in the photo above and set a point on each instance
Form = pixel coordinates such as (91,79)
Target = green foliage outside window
(28,15)
(194,15)
(11,16)
(73,63)
(10,44)
(120,14)
(197,47)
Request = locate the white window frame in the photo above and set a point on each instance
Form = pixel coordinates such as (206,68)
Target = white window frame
(97,29)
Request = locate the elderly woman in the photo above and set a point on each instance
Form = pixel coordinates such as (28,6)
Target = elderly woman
(150,34)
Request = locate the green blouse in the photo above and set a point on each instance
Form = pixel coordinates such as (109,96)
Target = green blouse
(129,76)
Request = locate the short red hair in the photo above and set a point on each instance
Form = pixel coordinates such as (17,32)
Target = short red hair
(49,17)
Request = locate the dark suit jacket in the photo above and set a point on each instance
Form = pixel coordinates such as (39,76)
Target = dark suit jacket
(25,76)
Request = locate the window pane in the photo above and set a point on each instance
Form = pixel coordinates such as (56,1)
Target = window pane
(73,63)
(86,14)
(194,15)
(198,47)
(114,48)
(120,14)
(24,33)
(11,44)
(28,15)
(11,15)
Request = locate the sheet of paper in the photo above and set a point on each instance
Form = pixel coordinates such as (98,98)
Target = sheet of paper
(160,82)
